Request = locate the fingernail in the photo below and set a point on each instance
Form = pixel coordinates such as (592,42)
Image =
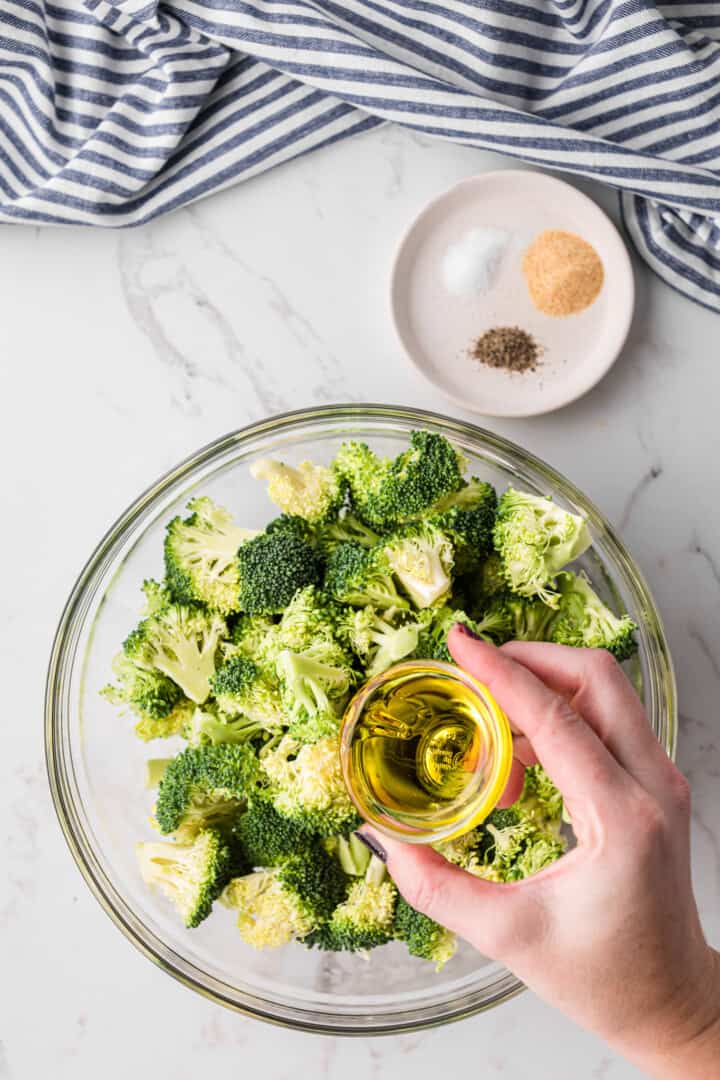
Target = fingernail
(374,845)
(466,631)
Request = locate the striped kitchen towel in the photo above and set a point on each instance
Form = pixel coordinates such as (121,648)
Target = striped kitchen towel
(113,113)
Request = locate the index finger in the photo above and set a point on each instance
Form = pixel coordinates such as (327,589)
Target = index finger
(597,688)
(571,753)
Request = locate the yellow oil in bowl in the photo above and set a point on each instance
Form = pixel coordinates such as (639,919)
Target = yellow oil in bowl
(426,751)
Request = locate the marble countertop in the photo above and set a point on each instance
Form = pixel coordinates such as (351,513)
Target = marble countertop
(121,353)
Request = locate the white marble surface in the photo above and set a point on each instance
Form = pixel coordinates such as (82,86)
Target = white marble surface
(120,353)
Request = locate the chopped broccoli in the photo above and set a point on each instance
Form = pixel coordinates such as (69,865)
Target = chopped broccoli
(423,936)
(385,493)
(535,540)
(154,771)
(467,517)
(305,783)
(515,842)
(267,837)
(479,587)
(421,557)
(292,525)
(526,618)
(181,642)
(201,557)
(190,875)
(241,688)
(492,576)
(352,854)
(252,645)
(520,850)
(315,685)
(157,595)
(432,645)
(378,643)
(309,491)
(540,800)
(205,785)
(158,702)
(364,919)
(248,635)
(348,529)
(358,576)
(583,619)
(291,900)
(210,727)
(309,618)
(273,566)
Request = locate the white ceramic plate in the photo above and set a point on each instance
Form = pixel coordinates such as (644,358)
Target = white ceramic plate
(437,328)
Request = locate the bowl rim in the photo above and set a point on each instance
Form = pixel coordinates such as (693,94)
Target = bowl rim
(72,615)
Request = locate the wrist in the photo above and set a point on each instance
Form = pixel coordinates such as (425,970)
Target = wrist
(683,1040)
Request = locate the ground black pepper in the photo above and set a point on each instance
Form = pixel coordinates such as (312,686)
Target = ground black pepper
(507,347)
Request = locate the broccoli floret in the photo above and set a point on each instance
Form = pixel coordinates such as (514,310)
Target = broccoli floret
(421,557)
(242,688)
(515,842)
(540,800)
(190,875)
(313,492)
(308,619)
(377,642)
(467,517)
(583,620)
(210,727)
(526,619)
(364,920)
(480,587)
(432,645)
(201,556)
(291,900)
(273,566)
(423,936)
(305,783)
(358,576)
(348,529)
(519,851)
(476,849)
(508,846)
(267,837)
(160,705)
(535,540)
(492,577)
(157,595)
(292,525)
(205,785)
(315,685)
(181,642)
(385,493)
(249,634)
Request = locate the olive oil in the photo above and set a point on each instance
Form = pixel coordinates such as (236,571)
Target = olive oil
(422,755)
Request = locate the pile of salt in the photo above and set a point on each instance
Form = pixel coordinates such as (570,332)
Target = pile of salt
(471,265)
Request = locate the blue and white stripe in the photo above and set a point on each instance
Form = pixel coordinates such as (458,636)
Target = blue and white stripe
(113,113)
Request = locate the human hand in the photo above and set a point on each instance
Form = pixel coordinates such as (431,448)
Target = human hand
(609,934)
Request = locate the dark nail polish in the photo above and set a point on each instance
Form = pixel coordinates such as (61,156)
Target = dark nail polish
(466,631)
(376,847)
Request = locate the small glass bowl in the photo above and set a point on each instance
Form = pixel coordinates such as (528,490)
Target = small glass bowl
(487,776)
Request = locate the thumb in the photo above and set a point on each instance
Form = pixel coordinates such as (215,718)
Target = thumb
(484,913)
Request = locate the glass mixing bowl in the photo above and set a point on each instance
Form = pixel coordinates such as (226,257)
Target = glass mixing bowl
(96,765)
